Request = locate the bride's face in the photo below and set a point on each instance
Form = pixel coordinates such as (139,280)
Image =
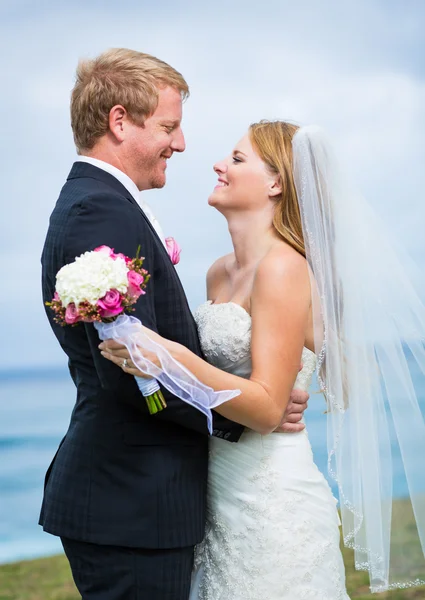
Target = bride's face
(244,181)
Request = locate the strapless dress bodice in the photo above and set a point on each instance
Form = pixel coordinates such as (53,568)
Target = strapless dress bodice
(225,335)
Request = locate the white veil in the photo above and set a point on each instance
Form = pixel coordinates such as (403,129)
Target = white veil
(369,339)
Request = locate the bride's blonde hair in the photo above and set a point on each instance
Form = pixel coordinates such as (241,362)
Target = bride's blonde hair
(272,140)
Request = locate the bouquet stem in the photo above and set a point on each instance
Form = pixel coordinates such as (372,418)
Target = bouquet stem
(156,402)
(152,393)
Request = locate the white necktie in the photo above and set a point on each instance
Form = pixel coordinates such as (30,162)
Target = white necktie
(154,221)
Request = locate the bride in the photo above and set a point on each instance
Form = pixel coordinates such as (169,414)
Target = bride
(296,287)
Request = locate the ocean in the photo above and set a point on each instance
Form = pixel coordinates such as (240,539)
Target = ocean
(34,413)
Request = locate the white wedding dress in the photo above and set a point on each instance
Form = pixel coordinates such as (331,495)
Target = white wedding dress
(272,528)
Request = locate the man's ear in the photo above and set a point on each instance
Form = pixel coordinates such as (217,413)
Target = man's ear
(117,118)
(275,187)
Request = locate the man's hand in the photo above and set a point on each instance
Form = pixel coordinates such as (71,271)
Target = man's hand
(298,402)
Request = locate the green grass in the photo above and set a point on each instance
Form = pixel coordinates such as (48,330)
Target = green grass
(41,579)
(358,584)
(50,579)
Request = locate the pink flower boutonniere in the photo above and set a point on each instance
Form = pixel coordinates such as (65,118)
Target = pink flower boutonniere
(173,250)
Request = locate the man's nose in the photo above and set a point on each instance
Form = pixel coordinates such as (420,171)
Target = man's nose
(179,143)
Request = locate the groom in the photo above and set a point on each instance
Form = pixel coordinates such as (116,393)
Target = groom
(126,491)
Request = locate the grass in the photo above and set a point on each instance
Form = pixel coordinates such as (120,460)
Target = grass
(50,579)
(41,579)
(358,584)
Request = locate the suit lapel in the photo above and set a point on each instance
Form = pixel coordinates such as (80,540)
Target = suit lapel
(151,227)
(83,169)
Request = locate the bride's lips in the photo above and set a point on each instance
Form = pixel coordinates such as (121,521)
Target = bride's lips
(221,184)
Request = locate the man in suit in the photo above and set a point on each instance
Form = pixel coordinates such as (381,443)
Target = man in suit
(126,491)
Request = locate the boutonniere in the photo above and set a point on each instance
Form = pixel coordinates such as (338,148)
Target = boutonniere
(173,250)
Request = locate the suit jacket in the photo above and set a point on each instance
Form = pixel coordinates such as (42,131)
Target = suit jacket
(122,476)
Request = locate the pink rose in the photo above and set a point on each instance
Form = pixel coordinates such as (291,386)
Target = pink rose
(121,255)
(110,305)
(173,250)
(105,250)
(135,280)
(110,252)
(71,314)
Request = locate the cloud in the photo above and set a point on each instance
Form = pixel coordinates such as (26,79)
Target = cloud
(355,70)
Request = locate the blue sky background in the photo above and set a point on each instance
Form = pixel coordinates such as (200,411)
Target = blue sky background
(356,68)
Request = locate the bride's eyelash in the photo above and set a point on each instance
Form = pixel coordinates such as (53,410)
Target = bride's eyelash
(236,159)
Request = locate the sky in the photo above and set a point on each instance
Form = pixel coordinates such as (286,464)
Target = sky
(356,68)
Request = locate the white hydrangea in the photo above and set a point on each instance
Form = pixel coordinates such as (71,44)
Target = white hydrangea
(90,277)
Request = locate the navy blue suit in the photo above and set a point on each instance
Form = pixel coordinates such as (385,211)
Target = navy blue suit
(123,480)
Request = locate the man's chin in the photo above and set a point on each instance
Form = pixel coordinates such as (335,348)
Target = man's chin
(158,182)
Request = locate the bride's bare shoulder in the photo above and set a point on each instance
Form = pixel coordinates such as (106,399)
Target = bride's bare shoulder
(282,262)
(218,274)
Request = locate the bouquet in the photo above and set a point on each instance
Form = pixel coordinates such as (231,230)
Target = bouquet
(99,288)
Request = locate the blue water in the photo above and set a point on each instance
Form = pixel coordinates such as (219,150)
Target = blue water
(34,415)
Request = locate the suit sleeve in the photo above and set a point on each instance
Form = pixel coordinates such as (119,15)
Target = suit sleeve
(113,221)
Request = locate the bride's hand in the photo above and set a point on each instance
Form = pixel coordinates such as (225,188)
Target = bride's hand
(119,355)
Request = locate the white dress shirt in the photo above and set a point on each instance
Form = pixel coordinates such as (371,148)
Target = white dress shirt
(130,186)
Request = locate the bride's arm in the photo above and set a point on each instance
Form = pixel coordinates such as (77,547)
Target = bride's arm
(280,304)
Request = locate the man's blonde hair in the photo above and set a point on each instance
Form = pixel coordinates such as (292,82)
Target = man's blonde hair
(118,76)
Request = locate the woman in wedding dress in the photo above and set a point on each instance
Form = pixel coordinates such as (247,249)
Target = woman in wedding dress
(313,278)
(273,527)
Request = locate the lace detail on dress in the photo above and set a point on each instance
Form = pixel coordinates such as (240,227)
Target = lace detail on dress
(303,380)
(262,541)
(272,528)
(233,340)
(231,576)
(225,334)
